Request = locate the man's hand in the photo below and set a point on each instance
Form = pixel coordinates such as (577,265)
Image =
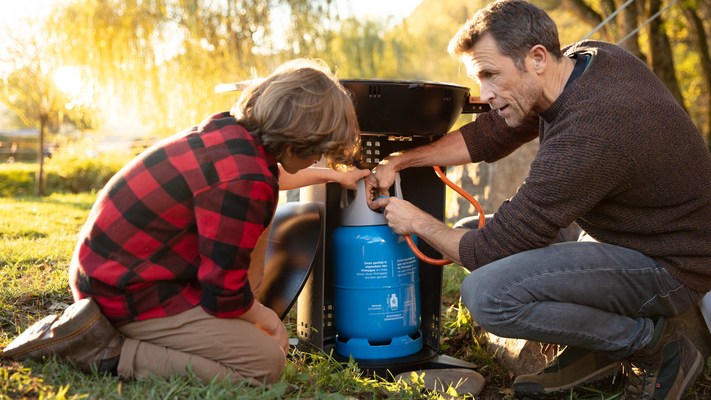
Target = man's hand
(403,217)
(406,219)
(380,180)
(450,149)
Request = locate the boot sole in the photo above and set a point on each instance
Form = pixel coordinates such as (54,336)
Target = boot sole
(535,389)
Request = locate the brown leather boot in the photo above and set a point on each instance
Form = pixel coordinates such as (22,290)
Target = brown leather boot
(573,367)
(82,336)
(665,368)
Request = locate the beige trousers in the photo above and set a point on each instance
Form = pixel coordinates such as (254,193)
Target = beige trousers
(199,342)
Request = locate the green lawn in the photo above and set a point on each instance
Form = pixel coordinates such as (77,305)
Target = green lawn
(37,238)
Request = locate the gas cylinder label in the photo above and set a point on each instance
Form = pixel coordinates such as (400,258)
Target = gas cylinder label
(380,269)
(405,266)
(395,306)
(393,317)
(374,270)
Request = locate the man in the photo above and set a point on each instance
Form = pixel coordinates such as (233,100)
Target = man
(618,158)
(166,269)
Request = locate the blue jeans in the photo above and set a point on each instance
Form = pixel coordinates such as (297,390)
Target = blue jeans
(577,293)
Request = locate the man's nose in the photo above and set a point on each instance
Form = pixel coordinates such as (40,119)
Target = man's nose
(487,94)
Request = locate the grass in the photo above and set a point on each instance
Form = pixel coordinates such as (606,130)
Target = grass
(37,238)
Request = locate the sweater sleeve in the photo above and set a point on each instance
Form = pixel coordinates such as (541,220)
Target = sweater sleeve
(490,139)
(564,184)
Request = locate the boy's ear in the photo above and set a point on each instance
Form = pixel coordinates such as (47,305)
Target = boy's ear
(289,151)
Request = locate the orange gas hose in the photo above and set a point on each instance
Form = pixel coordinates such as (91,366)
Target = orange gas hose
(467,196)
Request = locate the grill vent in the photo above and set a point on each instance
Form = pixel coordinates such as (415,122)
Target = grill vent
(374,91)
(448,94)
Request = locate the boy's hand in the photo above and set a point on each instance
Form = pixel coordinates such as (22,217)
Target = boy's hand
(348,178)
(267,320)
(276,329)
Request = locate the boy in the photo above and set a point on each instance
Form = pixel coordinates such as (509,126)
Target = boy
(160,275)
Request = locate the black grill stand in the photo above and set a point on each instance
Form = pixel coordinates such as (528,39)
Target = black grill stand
(315,314)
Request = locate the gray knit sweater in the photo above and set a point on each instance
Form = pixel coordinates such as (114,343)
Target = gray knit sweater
(618,156)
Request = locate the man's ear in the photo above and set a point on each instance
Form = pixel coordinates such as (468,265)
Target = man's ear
(539,54)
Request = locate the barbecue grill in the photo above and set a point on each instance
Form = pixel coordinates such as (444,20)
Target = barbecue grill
(393,116)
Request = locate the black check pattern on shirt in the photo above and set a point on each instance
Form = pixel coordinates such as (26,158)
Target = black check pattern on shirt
(176,226)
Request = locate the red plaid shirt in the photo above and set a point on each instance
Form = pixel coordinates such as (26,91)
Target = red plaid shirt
(176,226)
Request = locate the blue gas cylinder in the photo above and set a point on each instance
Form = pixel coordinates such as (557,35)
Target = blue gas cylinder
(376,287)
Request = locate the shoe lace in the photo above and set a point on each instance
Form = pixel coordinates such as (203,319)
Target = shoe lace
(638,381)
(547,349)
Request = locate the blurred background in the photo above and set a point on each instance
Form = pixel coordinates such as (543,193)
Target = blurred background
(113,76)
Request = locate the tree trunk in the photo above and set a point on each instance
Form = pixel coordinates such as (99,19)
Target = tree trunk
(696,27)
(608,7)
(660,54)
(39,177)
(627,23)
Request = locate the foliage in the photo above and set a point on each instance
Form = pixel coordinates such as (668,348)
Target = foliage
(424,36)
(171,54)
(18,382)
(17,179)
(460,340)
(415,49)
(160,60)
(28,89)
(77,168)
(452,277)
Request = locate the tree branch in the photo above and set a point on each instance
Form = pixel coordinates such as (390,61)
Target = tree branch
(583,11)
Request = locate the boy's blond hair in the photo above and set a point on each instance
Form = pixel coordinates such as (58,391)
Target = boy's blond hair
(301,105)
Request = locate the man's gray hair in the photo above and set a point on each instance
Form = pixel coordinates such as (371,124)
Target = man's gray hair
(515,25)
